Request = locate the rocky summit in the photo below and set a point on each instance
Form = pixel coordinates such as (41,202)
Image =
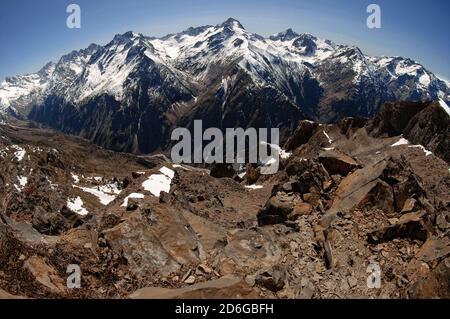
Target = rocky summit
(358,209)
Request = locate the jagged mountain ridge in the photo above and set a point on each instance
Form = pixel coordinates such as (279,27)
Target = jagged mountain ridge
(128,94)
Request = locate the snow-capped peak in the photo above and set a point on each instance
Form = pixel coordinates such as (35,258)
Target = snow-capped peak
(186,59)
(22,89)
(232,24)
(287,35)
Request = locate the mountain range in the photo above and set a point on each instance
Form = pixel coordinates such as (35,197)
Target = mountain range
(129,94)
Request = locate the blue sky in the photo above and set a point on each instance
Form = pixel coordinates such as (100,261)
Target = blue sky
(34,32)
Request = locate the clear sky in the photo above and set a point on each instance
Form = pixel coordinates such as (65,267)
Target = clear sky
(34,32)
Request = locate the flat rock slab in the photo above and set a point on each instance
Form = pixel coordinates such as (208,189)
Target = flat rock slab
(227,287)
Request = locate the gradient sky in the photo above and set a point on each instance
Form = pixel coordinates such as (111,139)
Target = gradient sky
(34,32)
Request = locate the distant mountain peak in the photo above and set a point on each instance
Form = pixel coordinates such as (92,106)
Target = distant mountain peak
(232,24)
(126,37)
(287,35)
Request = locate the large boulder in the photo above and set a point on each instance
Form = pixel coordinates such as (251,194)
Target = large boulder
(434,286)
(308,176)
(5,295)
(45,274)
(210,235)
(222,170)
(356,187)
(349,124)
(302,135)
(55,223)
(386,184)
(414,226)
(277,210)
(337,162)
(155,240)
(249,250)
(272,279)
(227,287)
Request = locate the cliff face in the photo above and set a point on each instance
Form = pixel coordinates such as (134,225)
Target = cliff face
(426,124)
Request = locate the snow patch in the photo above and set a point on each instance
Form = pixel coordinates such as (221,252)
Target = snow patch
(242,175)
(328,137)
(254,187)
(427,152)
(23,181)
(105,193)
(19,154)
(276,148)
(110,188)
(404,67)
(182,167)
(132,196)
(168,172)
(402,141)
(425,80)
(158,183)
(444,106)
(76,205)
(76,178)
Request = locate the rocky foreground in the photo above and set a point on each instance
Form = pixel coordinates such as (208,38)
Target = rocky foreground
(355,194)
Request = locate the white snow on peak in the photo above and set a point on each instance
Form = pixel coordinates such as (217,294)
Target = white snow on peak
(425,79)
(189,57)
(20,86)
(112,188)
(403,68)
(107,75)
(404,141)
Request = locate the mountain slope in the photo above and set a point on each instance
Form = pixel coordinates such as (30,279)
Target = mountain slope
(130,93)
